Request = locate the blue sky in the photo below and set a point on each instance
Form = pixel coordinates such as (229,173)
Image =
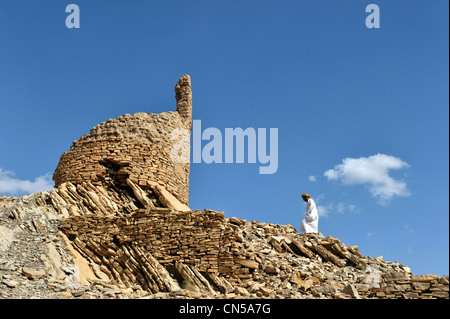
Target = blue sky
(362,114)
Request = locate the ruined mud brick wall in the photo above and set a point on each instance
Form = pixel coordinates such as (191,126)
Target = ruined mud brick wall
(134,146)
(113,161)
(201,239)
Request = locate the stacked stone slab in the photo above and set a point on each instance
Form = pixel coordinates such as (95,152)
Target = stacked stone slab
(160,248)
(135,146)
(202,240)
(92,238)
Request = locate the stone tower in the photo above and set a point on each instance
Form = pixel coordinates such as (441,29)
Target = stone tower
(133,148)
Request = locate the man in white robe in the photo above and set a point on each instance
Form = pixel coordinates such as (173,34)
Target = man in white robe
(310,224)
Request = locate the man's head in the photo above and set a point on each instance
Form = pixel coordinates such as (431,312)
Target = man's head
(305,197)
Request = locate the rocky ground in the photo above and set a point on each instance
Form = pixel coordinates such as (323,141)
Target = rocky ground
(35,262)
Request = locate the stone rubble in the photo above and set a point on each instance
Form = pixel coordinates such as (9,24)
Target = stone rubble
(160,253)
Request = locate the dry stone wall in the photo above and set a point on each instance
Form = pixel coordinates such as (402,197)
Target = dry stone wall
(203,240)
(92,242)
(113,161)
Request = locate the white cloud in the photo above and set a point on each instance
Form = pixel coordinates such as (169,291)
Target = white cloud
(319,198)
(16,187)
(373,172)
(408,228)
(340,207)
(344,207)
(312,178)
(324,211)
